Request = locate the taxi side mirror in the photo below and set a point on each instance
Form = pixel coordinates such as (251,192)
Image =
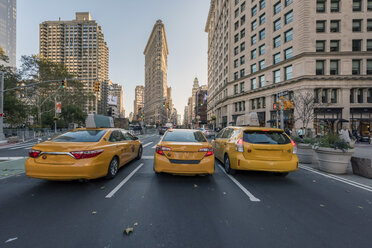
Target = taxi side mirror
(135,138)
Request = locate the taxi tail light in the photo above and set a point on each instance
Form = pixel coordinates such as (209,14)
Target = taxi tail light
(294,147)
(160,149)
(239,145)
(34,153)
(86,154)
(208,150)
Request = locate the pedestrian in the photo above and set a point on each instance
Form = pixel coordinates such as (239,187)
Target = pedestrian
(300,133)
(287,131)
(356,136)
(345,134)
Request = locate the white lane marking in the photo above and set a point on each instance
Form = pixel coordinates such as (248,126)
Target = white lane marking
(249,194)
(147,157)
(154,147)
(10,240)
(147,144)
(123,182)
(11,158)
(20,147)
(27,148)
(340,179)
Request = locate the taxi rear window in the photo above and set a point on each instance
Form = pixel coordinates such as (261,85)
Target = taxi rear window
(80,136)
(266,137)
(184,136)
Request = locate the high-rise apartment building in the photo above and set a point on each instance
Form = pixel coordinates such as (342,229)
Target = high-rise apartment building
(80,45)
(139,98)
(156,89)
(259,48)
(8,21)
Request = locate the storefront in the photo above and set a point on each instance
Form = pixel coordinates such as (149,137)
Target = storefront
(288,119)
(261,118)
(327,120)
(361,120)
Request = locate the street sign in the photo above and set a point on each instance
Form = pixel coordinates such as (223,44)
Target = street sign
(58,107)
(284,93)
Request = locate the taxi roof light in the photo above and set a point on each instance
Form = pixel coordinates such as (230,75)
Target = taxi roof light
(34,153)
(86,154)
(248,120)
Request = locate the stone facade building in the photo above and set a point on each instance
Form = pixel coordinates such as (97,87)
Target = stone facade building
(8,25)
(259,48)
(139,97)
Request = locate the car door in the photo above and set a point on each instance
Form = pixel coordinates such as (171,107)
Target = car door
(224,141)
(217,144)
(117,139)
(132,144)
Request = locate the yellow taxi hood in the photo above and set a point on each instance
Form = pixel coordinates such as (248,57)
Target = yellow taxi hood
(50,146)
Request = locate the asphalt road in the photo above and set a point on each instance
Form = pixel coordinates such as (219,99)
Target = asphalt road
(251,209)
(18,149)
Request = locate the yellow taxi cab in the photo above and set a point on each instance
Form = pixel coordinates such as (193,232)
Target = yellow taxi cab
(255,148)
(84,153)
(184,151)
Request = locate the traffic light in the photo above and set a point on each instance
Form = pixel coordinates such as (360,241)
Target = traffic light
(63,84)
(96,86)
(276,106)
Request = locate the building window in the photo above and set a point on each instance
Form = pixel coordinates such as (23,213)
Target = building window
(369,95)
(242,72)
(288,53)
(356,67)
(252,104)
(236,13)
(242,60)
(242,20)
(262,34)
(236,89)
(335,5)
(242,87)
(334,96)
(320,45)
(236,50)
(357,5)
(258,103)
(276,76)
(254,25)
(242,47)
(262,49)
(236,75)
(316,95)
(242,7)
(360,95)
(320,67)
(236,25)
(288,35)
(261,64)
(288,72)
(288,17)
(254,39)
(236,107)
(277,8)
(242,33)
(320,26)
(352,96)
(335,26)
(262,4)
(253,68)
(253,54)
(253,83)
(277,25)
(277,41)
(357,25)
(264,102)
(320,6)
(261,81)
(236,38)
(334,46)
(369,5)
(369,66)
(357,45)
(369,45)
(369,25)
(262,18)
(236,63)
(236,2)
(276,58)
(325,96)
(254,10)
(333,67)
(288,2)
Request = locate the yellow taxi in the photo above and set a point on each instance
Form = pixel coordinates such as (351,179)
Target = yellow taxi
(85,153)
(255,148)
(184,151)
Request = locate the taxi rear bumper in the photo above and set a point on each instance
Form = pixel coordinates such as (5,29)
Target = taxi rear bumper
(240,163)
(83,169)
(163,164)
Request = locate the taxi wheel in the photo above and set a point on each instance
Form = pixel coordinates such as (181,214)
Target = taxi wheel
(139,155)
(227,165)
(113,168)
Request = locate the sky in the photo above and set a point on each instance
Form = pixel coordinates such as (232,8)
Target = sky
(127,25)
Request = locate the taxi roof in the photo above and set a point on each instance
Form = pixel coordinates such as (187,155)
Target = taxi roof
(96,128)
(256,128)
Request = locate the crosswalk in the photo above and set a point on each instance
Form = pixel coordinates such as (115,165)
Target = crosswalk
(24,146)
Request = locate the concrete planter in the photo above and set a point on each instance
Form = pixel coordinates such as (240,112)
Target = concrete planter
(305,153)
(333,161)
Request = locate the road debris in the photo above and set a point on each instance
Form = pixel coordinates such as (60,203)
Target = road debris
(135,224)
(94,212)
(195,185)
(103,187)
(10,240)
(128,230)
(322,205)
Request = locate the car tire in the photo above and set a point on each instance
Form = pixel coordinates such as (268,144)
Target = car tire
(281,174)
(113,168)
(139,155)
(227,165)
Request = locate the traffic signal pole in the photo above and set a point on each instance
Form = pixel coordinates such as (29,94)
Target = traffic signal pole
(2,137)
(281,114)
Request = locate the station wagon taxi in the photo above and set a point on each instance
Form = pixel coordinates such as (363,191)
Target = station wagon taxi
(255,148)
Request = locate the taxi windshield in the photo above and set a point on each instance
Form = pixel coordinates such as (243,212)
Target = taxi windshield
(80,136)
(266,137)
(184,136)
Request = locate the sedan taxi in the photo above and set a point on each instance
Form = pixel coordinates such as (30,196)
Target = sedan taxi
(184,151)
(83,154)
(256,148)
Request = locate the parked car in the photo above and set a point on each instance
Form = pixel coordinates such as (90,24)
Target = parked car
(207,132)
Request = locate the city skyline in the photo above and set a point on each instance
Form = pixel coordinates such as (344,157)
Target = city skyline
(186,38)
